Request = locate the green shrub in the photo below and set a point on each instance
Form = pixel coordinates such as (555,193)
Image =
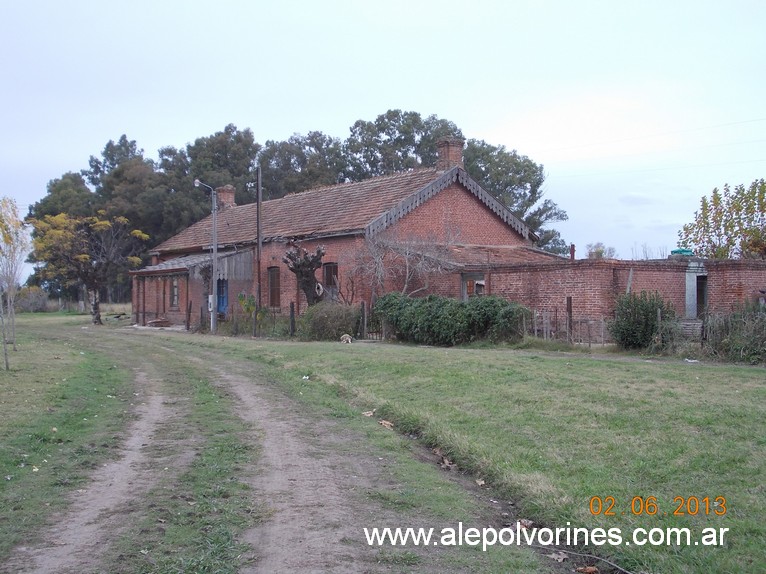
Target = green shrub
(442,321)
(738,336)
(509,324)
(327,321)
(636,325)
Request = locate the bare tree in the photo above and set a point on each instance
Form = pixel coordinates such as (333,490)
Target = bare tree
(402,263)
(304,265)
(15,244)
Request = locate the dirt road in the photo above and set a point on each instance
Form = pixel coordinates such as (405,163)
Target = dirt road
(311,474)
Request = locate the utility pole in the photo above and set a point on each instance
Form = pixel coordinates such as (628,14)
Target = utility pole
(214,274)
(259,243)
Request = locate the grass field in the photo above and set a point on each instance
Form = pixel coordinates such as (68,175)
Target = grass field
(548,430)
(62,418)
(552,431)
(66,403)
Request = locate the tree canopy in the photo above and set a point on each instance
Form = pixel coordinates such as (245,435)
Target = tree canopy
(86,250)
(729,224)
(158,197)
(300,163)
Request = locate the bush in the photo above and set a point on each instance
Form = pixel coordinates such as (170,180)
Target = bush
(327,321)
(442,321)
(739,336)
(31,300)
(635,324)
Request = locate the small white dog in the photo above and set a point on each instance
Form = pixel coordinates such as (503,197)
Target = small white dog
(346,339)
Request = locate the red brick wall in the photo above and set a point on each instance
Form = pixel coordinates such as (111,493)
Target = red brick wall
(593,285)
(731,282)
(668,278)
(455,216)
(340,250)
(152,298)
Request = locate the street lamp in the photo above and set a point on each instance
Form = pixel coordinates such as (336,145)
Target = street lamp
(214,275)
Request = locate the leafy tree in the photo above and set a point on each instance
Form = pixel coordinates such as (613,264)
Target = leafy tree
(730,224)
(395,141)
(227,157)
(301,163)
(14,245)
(600,251)
(113,155)
(304,265)
(86,250)
(517,182)
(67,194)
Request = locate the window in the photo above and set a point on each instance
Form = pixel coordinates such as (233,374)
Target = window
(473,285)
(330,279)
(174,293)
(274,290)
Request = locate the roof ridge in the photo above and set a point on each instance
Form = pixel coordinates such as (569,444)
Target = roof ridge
(388,177)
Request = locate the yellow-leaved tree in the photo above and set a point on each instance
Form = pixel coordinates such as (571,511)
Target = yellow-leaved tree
(14,246)
(86,250)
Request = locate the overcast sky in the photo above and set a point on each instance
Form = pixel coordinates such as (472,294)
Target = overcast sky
(636,109)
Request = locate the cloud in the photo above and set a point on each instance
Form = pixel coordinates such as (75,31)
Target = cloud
(636,199)
(603,123)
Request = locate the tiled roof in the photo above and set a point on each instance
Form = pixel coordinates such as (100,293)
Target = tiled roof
(181,264)
(365,206)
(488,256)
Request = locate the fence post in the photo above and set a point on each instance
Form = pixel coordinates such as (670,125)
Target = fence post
(570,337)
(523,325)
(363,322)
(292,318)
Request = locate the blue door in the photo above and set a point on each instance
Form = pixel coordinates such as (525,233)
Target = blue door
(223,295)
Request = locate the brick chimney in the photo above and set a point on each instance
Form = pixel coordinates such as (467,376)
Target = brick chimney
(226,196)
(450,153)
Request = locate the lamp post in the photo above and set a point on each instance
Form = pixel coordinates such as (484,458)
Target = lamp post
(214,273)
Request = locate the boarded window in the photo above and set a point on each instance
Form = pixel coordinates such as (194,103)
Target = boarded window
(274,289)
(330,279)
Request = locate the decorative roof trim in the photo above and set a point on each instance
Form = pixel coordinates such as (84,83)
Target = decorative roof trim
(456,174)
(498,208)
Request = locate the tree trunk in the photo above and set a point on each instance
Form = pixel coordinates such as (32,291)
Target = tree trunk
(95,307)
(11,318)
(5,342)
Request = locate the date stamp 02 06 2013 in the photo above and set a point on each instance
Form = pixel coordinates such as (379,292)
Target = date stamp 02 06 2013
(649,506)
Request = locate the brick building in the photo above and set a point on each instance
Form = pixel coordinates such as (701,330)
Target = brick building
(375,231)
(438,217)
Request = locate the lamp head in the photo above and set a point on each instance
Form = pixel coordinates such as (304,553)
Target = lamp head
(196,183)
